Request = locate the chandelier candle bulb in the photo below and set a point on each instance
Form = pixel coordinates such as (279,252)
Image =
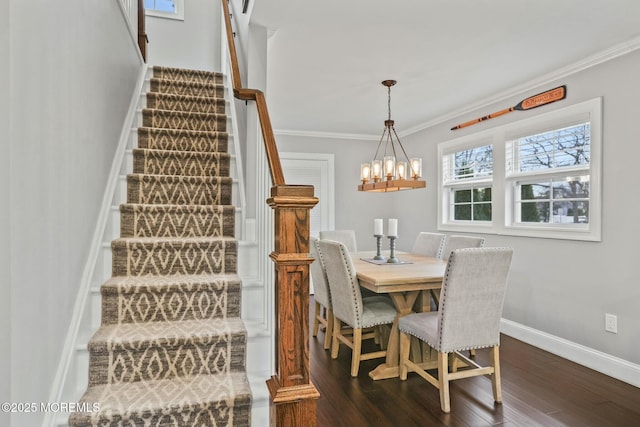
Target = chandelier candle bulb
(390,167)
(376,170)
(416,168)
(377,227)
(401,169)
(365,172)
(393,227)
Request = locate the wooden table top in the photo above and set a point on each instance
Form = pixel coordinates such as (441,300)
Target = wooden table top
(420,273)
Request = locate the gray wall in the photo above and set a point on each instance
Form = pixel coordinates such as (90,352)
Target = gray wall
(193,43)
(5,213)
(560,287)
(73,67)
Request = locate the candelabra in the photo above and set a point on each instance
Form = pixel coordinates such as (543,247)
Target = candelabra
(378,256)
(392,253)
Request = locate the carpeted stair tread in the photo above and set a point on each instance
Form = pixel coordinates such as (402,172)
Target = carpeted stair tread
(186,163)
(139,256)
(138,335)
(150,220)
(161,350)
(195,401)
(139,299)
(192,282)
(182,139)
(210,122)
(180,190)
(181,74)
(176,102)
(178,87)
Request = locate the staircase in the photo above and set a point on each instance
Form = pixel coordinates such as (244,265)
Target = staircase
(171,347)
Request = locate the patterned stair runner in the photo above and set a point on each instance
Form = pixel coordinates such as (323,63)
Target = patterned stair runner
(171,348)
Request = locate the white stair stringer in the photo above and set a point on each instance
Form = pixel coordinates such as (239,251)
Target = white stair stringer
(253,269)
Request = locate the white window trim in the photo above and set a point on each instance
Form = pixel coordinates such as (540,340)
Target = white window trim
(503,200)
(177,15)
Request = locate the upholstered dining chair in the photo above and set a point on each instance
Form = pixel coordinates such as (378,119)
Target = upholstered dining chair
(323,313)
(459,242)
(350,308)
(429,244)
(346,237)
(471,302)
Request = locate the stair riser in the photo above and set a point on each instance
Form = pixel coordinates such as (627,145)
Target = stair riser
(192,76)
(177,305)
(166,360)
(166,139)
(175,102)
(158,190)
(186,88)
(150,221)
(141,259)
(179,120)
(185,164)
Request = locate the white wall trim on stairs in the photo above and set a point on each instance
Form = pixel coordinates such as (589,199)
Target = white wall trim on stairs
(95,250)
(607,364)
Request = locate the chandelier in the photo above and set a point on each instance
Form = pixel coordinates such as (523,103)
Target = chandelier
(387,171)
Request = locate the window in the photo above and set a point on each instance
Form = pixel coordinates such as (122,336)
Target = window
(536,177)
(467,182)
(172,9)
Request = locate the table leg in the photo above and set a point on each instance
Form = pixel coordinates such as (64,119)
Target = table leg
(403,302)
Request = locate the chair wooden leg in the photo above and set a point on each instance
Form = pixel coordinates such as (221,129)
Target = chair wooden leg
(405,347)
(335,344)
(329,331)
(376,335)
(443,381)
(356,352)
(316,316)
(495,378)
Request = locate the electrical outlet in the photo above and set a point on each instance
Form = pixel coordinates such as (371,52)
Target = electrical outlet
(611,323)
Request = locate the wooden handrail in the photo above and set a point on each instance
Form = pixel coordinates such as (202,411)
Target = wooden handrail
(292,397)
(275,167)
(142,34)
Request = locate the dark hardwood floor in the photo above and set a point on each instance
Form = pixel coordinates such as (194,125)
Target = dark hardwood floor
(539,389)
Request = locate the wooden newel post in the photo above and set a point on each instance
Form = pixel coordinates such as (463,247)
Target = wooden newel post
(292,396)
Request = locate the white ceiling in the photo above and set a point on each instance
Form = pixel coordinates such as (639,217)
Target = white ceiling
(326,58)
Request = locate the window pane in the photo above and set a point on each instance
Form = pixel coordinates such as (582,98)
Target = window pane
(557,148)
(534,212)
(572,188)
(534,191)
(575,212)
(160,5)
(473,163)
(462,212)
(482,212)
(472,204)
(462,196)
(482,194)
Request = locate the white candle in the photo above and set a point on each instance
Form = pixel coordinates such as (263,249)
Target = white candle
(393,227)
(377,227)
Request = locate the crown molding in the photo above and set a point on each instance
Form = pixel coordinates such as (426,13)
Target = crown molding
(590,61)
(327,135)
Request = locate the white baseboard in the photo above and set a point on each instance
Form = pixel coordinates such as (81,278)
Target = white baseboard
(607,364)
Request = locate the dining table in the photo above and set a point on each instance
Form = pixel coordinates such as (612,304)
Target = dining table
(410,283)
